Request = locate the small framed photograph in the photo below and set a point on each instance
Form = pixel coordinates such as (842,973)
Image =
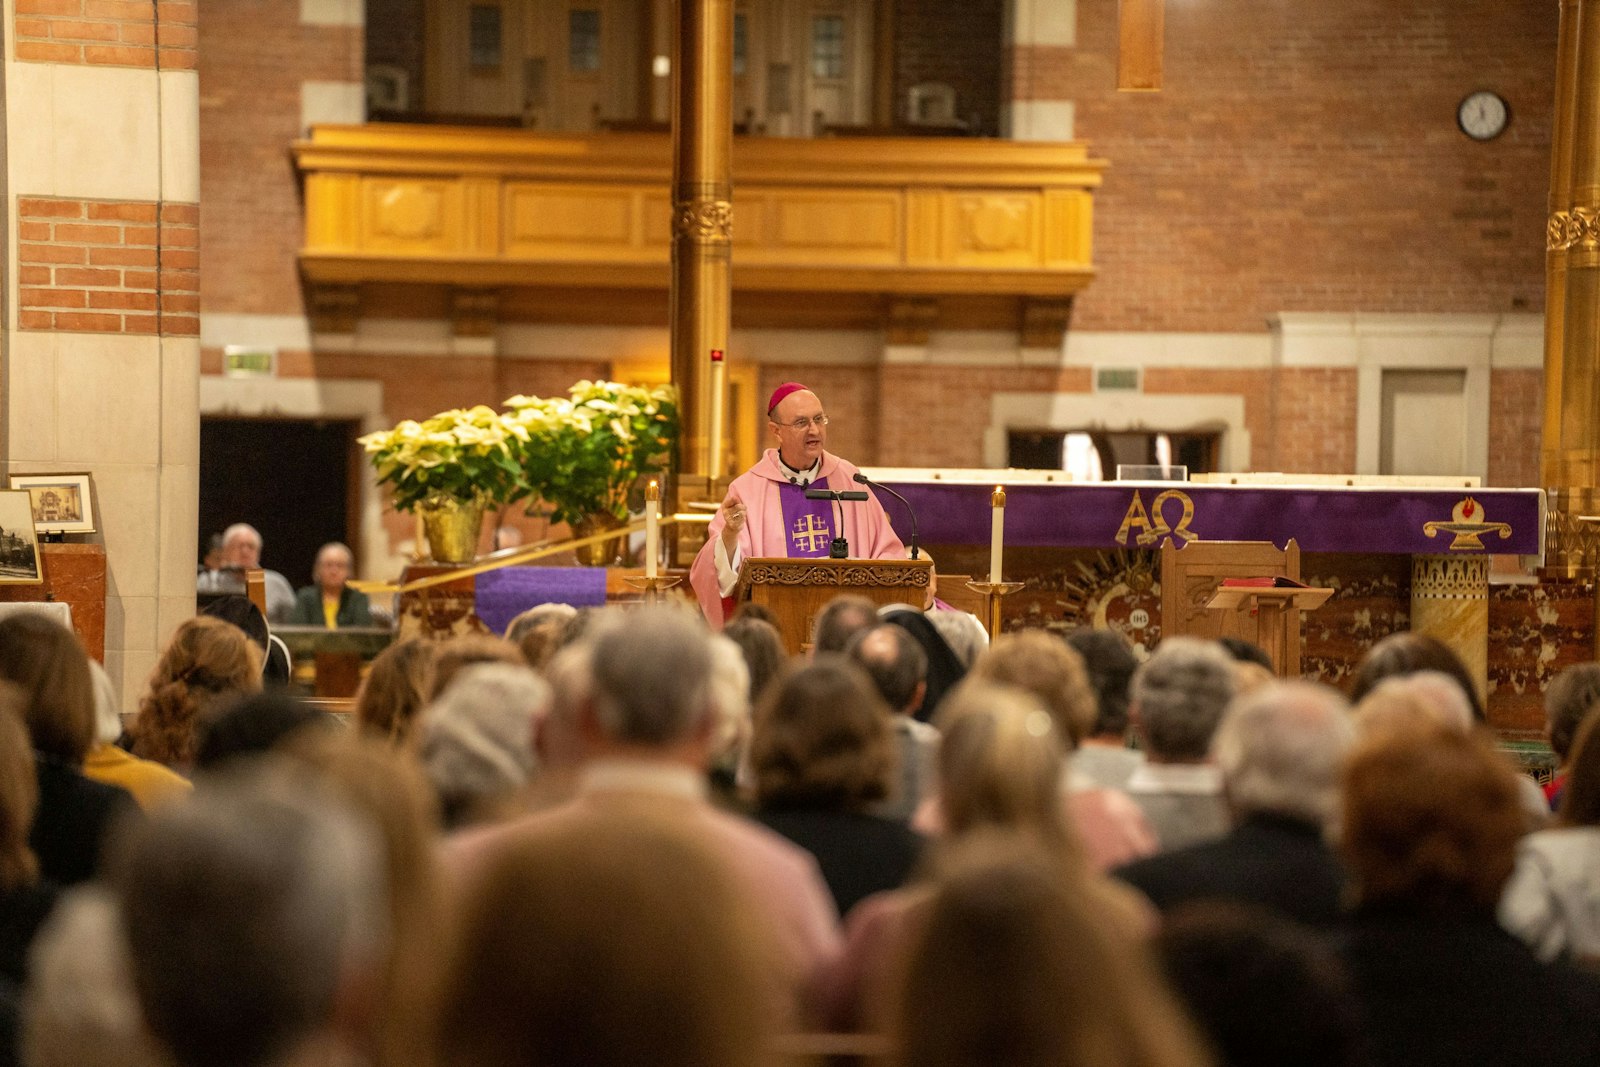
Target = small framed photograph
(62,503)
(19,545)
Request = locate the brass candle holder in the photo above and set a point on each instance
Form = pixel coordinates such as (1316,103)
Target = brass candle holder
(994,594)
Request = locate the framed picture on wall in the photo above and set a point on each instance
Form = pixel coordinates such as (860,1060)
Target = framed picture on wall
(19,545)
(62,503)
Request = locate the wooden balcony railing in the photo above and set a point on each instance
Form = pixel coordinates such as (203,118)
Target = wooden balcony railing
(904,218)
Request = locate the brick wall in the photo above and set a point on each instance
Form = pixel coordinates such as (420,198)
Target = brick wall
(112,33)
(1305,157)
(253,59)
(955,43)
(1516,404)
(107,266)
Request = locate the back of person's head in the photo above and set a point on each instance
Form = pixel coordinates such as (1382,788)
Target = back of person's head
(1409,701)
(762,647)
(839,620)
(730,699)
(240,611)
(1280,749)
(1179,695)
(252,726)
(536,616)
(1580,801)
(541,641)
(963,632)
(1046,667)
(823,740)
(1430,820)
(1009,963)
(896,664)
(1243,651)
(1265,991)
(1110,663)
(651,669)
(475,741)
(19,795)
(396,689)
(247,911)
(107,716)
(80,1009)
(607,943)
(44,660)
(570,673)
(1572,694)
(207,664)
(1000,762)
(1407,653)
(458,653)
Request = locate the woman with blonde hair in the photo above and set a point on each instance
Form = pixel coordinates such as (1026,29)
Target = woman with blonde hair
(1000,772)
(207,663)
(396,689)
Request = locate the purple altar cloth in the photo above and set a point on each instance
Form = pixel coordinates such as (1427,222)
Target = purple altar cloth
(504,594)
(1134,514)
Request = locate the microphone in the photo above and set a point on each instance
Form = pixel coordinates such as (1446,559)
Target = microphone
(840,548)
(864,480)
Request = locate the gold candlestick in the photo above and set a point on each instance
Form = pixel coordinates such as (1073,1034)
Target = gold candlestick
(654,588)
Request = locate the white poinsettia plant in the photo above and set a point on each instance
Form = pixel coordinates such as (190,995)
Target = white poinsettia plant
(584,452)
(466,456)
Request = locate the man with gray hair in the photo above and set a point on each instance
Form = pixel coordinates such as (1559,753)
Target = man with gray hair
(249,916)
(1279,750)
(241,551)
(1177,700)
(898,668)
(634,700)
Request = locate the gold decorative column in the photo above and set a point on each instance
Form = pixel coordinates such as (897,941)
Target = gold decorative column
(1570,454)
(702,225)
(1450,601)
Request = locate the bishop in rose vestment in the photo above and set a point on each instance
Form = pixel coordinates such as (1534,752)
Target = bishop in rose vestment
(766,512)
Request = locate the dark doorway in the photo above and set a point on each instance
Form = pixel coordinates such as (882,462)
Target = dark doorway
(289,478)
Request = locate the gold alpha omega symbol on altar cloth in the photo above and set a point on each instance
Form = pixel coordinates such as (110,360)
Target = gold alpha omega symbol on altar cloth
(809,535)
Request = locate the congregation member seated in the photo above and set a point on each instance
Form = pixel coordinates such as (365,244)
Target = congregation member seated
(899,671)
(241,551)
(538,632)
(149,782)
(395,689)
(238,611)
(329,601)
(1110,826)
(75,815)
(1010,964)
(252,917)
(1430,821)
(945,668)
(1553,899)
(1570,697)
(206,665)
(640,722)
(823,752)
(1279,750)
(25,897)
(762,648)
(733,723)
(1178,697)
(1103,756)
(254,725)
(1000,761)
(459,653)
(475,742)
(962,632)
(839,621)
(1265,991)
(593,941)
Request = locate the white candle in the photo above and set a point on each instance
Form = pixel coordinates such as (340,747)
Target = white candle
(652,527)
(719,395)
(997,533)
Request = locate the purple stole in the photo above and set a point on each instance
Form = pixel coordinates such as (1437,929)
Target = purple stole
(807,524)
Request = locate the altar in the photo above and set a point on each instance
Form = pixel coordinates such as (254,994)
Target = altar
(1451,560)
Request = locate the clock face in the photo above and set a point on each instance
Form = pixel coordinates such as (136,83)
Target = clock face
(1483,115)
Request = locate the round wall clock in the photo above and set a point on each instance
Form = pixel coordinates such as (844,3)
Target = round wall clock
(1483,115)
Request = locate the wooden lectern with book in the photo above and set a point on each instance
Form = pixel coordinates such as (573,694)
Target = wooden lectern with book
(1245,589)
(795,590)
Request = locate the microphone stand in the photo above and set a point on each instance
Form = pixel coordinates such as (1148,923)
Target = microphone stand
(864,480)
(839,548)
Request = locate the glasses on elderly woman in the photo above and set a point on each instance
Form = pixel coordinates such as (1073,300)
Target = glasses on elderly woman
(799,425)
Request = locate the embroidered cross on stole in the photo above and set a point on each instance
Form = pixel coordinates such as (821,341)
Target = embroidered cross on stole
(808,524)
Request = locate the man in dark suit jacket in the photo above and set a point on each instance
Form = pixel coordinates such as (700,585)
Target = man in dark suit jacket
(1279,749)
(330,602)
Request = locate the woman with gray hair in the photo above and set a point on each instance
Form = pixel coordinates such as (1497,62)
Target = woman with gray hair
(476,741)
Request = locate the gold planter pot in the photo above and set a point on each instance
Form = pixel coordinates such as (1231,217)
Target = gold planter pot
(602,553)
(452,528)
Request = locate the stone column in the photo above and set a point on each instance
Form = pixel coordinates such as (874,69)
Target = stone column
(1032,111)
(1450,601)
(702,223)
(1570,451)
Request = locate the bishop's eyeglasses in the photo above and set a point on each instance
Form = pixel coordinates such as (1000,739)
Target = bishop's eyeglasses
(799,425)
